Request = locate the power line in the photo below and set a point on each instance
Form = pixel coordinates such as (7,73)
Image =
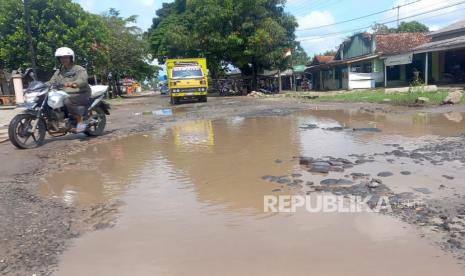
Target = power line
(357,18)
(317,6)
(386,22)
(343,34)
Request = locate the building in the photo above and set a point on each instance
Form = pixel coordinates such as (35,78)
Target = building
(359,62)
(446,55)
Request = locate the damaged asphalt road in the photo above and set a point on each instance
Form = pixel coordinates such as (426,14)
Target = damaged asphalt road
(36,230)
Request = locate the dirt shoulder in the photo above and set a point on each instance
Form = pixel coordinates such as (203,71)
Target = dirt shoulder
(34,230)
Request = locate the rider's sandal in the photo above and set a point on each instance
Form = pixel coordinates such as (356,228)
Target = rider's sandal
(79,128)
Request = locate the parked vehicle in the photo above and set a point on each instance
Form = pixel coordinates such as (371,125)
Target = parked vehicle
(269,89)
(164,90)
(187,78)
(231,87)
(46,112)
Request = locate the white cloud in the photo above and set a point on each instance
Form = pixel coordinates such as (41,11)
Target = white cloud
(311,41)
(86,4)
(321,45)
(148,3)
(315,19)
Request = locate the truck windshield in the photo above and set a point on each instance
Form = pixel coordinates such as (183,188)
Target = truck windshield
(187,72)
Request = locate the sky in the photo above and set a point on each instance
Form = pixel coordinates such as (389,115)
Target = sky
(312,15)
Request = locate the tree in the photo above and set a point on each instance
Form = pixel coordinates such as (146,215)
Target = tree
(404,27)
(252,35)
(102,43)
(382,29)
(54,23)
(127,49)
(13,36)
(299,56)
(330,53)
(412,27)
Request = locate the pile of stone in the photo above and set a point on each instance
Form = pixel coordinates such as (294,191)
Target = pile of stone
(454,97)
(256,94)
(325,165)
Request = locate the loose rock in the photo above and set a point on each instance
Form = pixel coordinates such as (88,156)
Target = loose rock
(385,174)
(422,100)
(454,97)
(425,191)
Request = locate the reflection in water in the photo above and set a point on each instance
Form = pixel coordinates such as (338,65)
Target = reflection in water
(101,172)
(193,135)
(454,117)
(194,199)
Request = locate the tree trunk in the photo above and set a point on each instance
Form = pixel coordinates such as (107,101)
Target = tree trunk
(254,76)
(27,17)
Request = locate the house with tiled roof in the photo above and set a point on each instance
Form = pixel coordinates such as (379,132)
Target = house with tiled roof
(360,61)
(322,59)
(446,53)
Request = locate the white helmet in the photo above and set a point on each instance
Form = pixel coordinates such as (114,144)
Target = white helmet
(64,52)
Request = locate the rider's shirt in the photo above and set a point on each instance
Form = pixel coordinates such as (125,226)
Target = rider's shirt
(75,74)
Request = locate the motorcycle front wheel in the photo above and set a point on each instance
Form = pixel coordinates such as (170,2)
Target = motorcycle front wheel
(21,134)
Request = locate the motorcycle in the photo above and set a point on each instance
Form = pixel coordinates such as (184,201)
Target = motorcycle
(46,112)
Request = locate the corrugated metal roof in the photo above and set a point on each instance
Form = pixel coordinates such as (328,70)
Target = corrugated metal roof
(452,27)
(452,43)
(341,62)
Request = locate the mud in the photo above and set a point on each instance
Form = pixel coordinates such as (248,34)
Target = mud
(195,179)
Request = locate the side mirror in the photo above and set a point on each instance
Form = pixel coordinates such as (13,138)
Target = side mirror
(30,72)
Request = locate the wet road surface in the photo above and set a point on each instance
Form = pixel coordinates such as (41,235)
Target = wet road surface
(193,198)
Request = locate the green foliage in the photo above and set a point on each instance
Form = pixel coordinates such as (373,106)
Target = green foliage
(417,80)
(299,56)
(126,49)
(382,29)
(378,96)
(250,34)
(101,43)
(404,27)
(13,39)
(330,53)
(412,27)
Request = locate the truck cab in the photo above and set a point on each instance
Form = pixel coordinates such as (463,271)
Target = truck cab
(187,78)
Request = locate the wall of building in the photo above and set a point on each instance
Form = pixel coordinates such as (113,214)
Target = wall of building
(358,47)
(364,80)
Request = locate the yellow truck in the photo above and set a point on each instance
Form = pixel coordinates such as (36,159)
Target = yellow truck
(187,78)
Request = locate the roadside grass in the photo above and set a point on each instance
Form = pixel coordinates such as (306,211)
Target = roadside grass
(378,96)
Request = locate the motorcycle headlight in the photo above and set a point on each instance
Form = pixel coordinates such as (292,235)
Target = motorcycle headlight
(31,98)
(54,100)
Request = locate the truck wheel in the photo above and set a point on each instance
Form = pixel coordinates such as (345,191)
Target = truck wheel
(174,100)
(203,99)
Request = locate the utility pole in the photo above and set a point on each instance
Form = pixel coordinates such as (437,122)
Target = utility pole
(27,18)
(398,15)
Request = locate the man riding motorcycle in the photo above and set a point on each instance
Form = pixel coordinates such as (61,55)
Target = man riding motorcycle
(73,79)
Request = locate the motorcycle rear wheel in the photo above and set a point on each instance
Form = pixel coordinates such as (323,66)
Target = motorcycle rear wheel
(19,132)
(97,129)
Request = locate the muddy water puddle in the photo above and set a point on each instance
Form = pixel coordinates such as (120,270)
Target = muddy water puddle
(193,195)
